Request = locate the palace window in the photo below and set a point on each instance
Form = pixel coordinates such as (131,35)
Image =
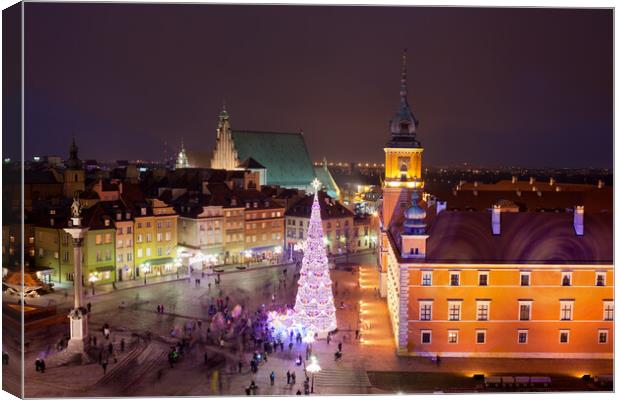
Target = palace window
(564,335)
(426,337)
(566,279)
(427,278)
(98,239)
(525,278)
(482,310)
(566,310)
(426,310)
(481,336)
(522,336)
(608,310)
(454,279)
(600,279)
(454,310)
(483,278)
(602,336)
(148,251)
(453,337)
(525,310)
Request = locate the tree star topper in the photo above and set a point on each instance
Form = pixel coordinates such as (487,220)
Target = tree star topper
(316,184)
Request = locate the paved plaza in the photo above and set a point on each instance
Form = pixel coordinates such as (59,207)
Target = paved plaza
(369,363)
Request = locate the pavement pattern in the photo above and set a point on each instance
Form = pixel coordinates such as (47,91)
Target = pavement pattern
(142,368)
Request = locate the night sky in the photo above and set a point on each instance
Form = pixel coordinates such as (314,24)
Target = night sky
(527,87)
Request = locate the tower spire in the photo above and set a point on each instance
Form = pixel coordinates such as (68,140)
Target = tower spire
(403,79)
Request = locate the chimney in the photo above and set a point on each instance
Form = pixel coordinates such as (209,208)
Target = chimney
(441,206)
(551,181)
(495,219)
(600,184)
(578,220)
(532,180)
(514,179)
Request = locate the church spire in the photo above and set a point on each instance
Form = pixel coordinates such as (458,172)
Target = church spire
(403,79)
(403,125)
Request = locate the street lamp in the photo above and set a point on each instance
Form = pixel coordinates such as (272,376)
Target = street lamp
(313,368)
(145,268)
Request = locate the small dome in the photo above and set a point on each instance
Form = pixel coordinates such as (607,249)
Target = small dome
(415,212)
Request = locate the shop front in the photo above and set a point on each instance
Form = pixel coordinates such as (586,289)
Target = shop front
(101,275)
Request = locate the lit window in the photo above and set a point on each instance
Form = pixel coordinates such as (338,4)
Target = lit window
(602,336)
(600,279)
(525,278)
(148,251)
(454,310)
(98,239)
(426,337)
(427,278)
(483,278)
(482,310)
(522,336)
(481,336)
(608,310)
(139,255)
(566,310)
(454,278)
(566,279)
(525,310)
(426,310)
(564,336)
(453,337)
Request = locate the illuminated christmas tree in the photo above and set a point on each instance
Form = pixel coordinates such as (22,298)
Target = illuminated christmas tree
(314,305)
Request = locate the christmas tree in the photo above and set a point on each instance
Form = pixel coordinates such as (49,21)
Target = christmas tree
(314,305)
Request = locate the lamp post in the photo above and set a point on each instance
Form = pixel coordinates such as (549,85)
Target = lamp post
(313,368)
(145,268)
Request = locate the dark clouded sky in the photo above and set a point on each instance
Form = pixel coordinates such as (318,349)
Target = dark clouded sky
(530,87)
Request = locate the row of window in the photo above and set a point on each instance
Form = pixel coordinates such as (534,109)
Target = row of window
(253,238)
(524,278)
(149,237)
(426,336)
(160,252)
(274,224)
(524,310)
(273,214)
(160,225)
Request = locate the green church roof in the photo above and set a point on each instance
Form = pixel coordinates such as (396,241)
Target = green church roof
(283,154)
(328,181)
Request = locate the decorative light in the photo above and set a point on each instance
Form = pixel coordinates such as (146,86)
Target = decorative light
(314,309)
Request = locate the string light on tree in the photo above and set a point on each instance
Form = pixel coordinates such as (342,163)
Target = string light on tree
(314,305)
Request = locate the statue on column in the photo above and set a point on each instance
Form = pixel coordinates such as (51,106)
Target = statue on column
(76,207)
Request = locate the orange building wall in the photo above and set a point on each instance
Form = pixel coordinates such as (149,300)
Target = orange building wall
(504,292)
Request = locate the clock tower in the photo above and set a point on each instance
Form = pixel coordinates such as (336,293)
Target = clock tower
(403,169)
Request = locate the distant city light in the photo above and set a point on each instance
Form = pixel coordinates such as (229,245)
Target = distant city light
(37,158)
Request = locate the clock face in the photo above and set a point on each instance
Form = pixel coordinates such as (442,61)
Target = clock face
(403,164)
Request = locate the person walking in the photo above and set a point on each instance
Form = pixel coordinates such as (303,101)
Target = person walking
(288,377)
(88,306)
(293,378)
(240,366)
(42,365)
(272,377)
(94,341)
(104,365)
(206,358)
(110,348)
(122,345)
(37,365)
(339,346)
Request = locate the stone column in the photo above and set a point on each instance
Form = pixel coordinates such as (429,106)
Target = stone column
(78,316)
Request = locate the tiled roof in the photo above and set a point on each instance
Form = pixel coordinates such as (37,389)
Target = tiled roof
(283,154)
(330,208)
(526,237)
(594,200)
